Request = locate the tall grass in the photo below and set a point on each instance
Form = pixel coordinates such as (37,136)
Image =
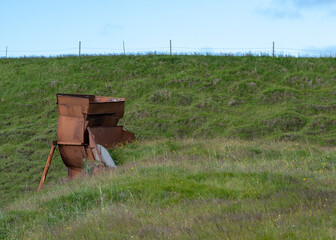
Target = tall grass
(190,189)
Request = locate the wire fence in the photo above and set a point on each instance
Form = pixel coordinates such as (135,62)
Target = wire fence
(171,50)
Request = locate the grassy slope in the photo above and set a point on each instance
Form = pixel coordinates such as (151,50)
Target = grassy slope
(190,189)
(167,97)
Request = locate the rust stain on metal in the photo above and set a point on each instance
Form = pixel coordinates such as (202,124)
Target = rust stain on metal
(85,121)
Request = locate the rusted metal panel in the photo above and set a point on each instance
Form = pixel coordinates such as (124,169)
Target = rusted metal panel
(80,113)
(70,111)
(108,137)
(74,172)
(74,101)
(107,99)
(85,121)
(73,156)
(127,137)
(102,120)
(104,108)
(70,129)
(93,146)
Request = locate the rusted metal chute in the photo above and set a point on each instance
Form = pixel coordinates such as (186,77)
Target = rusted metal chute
(85,121)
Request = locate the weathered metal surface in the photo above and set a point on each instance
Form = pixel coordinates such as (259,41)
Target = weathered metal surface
(109,137)
(93,146)
(73,156)
(85,121)
(80,113)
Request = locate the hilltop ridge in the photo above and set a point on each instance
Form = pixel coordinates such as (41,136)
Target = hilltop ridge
(199,120)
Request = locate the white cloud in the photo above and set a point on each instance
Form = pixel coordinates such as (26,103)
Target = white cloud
(280,9)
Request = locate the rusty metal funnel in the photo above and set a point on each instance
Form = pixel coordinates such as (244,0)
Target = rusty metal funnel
(85,121)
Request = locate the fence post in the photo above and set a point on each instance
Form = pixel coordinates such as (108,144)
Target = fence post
(6,51)
(79,48)
(171,50)
(124,47)
(273,48)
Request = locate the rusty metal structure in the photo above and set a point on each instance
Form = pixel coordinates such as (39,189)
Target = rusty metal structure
(85,121)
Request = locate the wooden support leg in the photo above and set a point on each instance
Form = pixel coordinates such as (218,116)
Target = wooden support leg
(46,168)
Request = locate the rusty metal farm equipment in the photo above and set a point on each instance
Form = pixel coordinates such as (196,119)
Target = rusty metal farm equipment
(87,124)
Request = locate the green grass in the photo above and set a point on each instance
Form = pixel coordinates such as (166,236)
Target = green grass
(230,148)
(190,189)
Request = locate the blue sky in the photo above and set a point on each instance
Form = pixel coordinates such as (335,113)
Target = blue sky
(50,27)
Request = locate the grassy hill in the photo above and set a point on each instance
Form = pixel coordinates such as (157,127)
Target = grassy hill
(226,145)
